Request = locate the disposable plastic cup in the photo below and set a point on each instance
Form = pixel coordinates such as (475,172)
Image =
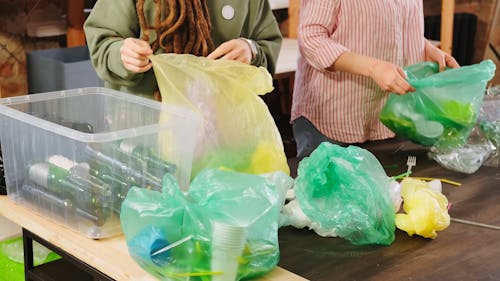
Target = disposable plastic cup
(228,242)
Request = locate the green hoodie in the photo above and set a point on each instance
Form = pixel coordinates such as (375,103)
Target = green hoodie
(111,21)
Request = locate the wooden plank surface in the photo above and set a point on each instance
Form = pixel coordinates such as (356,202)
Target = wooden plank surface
(447,15)
(109,256)
(460,252)
(75,36)
(293,17)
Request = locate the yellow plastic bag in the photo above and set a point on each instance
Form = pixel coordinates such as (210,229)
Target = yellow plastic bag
(426,210)
(237,131)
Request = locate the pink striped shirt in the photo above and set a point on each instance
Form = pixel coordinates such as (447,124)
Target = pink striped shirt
(344,106)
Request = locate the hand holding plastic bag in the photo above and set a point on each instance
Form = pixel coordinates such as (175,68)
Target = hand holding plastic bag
(445,106)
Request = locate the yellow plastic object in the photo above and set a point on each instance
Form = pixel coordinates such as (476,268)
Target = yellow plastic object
(455,183)
(237,131)
(426,209)
(263,159)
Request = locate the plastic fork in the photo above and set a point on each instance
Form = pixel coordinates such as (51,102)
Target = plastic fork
(412,161)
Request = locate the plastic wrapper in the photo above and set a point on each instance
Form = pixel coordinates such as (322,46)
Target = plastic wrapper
(292,215)
(238,131)
(346,192)
(467,158)
(425,209)
(489,122)
(171,235)
(445,106)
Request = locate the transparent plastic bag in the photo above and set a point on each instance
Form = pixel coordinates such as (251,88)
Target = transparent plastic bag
(346,192)
(171,235)
(445,106)
(467,158)
(238,130)
(12,258)
(14,251)
(489,122)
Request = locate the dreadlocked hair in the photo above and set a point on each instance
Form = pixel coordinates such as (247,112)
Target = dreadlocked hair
(185,28)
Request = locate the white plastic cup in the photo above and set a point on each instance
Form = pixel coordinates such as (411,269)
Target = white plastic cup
(228,242)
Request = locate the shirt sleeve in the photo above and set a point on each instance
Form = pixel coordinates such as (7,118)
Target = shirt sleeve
(266,34)
(318,21)
(109,23)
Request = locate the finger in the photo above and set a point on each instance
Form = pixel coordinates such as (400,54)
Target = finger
(396,89)
(402,82)
(219,51)
(402,73)
(451,62)
(141,47)
(137,69)
(136,47)
(129,53)
(234,55)
(405,86)
(442,63)
(135,61)
(399,86)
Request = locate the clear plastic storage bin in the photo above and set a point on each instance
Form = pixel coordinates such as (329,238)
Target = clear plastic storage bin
(74,154)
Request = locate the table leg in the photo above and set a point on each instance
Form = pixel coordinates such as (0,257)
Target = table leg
(29,268)
(28,254)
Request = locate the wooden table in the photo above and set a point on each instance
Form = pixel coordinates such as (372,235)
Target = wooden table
(460,252)
(107,256)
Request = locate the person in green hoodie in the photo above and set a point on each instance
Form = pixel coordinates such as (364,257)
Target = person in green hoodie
(121,34)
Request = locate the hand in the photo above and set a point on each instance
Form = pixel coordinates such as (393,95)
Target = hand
(433,53)
(134,54)
(235,49)
(390,77)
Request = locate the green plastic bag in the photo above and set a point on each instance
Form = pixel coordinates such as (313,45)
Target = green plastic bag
(184,224)
(347,190)
(445,106)
(238,131)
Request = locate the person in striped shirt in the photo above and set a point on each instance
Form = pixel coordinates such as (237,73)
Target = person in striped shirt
(351,57)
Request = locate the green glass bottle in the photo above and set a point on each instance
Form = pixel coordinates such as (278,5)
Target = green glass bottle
(119,185)
(132,176)
(64,207)
(153,164)
(91,195)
